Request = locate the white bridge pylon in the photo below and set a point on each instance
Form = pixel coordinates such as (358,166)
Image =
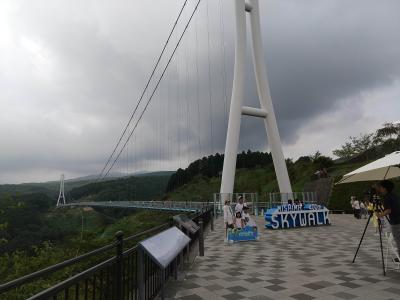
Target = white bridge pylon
(266,110)
(61,196)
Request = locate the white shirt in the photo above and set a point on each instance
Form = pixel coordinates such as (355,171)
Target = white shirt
(228,214)
(239,207)
(250,222)
(356,204)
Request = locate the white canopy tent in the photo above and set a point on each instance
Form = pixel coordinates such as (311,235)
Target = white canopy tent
(384,168)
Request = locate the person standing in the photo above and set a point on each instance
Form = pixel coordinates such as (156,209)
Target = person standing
(357,208)
(239,205)
(391,205)
(301,204)
(363,210)
(228,216)
(352,205)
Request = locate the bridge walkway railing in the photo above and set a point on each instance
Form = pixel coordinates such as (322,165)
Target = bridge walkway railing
(115,277)
(189,206)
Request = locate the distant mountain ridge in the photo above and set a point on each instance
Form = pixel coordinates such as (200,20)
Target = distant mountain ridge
(116,175)
(51,187)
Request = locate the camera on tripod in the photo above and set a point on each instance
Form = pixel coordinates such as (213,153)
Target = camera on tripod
(375,205)
(375,200)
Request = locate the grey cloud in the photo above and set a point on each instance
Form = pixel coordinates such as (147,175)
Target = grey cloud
(319,55)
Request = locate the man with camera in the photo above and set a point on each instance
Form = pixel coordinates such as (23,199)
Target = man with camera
(391,209)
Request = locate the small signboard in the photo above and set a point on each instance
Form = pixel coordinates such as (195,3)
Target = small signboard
(248,233)
(186,223)
(164,247)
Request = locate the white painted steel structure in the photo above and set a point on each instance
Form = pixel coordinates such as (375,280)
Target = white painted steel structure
(236,110)
(61,196)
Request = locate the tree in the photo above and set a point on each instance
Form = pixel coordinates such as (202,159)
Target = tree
(315,156)
(346,151)
(357,145)
(303,159)
(323,162)
(362,143)
(212,165)
(389,131)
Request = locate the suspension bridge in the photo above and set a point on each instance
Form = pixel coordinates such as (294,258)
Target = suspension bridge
(178,206)
(182,107)
(184,103)
(181,114)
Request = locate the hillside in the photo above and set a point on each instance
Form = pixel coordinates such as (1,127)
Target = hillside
(139,188)
(255,172)
(51,188)
(262,180)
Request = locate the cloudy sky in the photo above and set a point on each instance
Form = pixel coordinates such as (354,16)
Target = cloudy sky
(71,73)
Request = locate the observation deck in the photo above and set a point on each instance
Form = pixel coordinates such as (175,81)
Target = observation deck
(302,263)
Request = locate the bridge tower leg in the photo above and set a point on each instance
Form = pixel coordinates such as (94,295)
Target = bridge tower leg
(237,110)
(61,196)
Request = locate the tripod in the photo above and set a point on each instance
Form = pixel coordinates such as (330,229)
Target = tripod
(371,213)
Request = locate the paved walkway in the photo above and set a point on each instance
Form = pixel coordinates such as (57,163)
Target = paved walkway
(304,263)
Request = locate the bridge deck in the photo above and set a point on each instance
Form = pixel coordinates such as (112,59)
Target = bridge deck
(152,205)
(306,263)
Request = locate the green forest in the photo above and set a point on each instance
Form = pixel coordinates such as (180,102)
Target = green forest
(135,188)
(35,234)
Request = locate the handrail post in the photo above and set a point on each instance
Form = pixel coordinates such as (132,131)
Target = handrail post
(140,274)
(212,221)
(119,267)
(201,237)
(176,268)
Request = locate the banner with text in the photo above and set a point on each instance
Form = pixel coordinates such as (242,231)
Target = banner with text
(291,216)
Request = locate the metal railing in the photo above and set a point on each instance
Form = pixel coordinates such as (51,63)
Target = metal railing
(114,277)
(257,207)
(282,198)
(190,206)
(219,199)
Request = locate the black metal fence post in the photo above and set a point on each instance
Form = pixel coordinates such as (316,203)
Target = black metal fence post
(119,266)
(162,293)
(176,268)
(201,238)
(140,274)
(212,221)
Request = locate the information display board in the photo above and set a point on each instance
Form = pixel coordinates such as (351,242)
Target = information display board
(164,247)
(186,223)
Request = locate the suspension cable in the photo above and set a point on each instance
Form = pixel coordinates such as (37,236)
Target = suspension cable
(224,76)
(209,81)
(188,127)
(155,88)
(144,90)
(197,90)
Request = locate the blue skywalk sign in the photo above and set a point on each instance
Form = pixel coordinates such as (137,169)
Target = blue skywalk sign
(291,216)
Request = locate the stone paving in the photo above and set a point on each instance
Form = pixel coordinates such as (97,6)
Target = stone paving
(302,263)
